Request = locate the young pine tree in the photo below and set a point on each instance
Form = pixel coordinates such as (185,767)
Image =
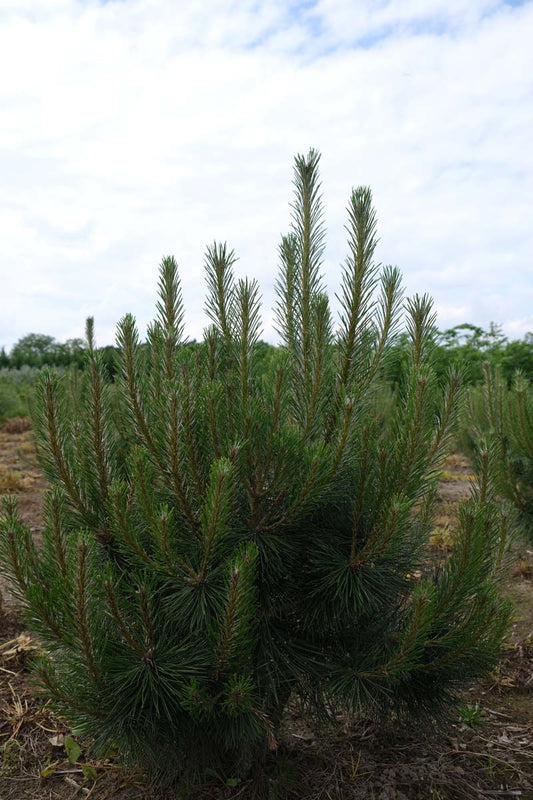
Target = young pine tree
(220,538)
(501,416)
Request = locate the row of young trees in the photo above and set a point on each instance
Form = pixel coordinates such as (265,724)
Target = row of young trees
(473,347)
(221,537)
(500,416)
(468,348)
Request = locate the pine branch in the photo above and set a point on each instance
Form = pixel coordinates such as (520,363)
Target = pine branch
(123,528)
(447,417)
(322,339)
(82,611)
(216,510)
(387,317)
(274,423)
(13,532)
(287,290)
(308,228)
(233,646)
(174,469)
(344,435)
(161,532)
(248,315)
(98,427)
(189,432)
(171,313)
(213,400)
(54,503)
(420,322)
(364,474)
(50,422)
(358,279)
(220,304)
(128,344)
(116,614)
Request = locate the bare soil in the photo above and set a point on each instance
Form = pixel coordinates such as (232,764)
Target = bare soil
(484,751)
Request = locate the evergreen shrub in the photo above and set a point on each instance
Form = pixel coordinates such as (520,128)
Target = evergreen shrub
(225,541)
(13,399)
(501,416)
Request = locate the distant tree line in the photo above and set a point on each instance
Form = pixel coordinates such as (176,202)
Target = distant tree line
(466,345)
(40,350)
(469,347)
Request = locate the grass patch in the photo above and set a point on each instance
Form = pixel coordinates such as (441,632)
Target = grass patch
(446,475)
(442,539)
(14,481)
(26,448)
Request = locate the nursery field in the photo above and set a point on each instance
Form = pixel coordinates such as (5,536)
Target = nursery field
(484,750)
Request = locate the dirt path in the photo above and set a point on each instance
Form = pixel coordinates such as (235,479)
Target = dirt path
(484,751)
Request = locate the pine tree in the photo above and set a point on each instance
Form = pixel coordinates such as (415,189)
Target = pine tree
(218,541)
(501,416)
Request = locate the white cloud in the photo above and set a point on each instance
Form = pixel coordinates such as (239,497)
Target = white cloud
(133,129)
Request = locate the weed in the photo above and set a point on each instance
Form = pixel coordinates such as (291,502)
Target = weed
(470,714)
(11,756)
(524,568)
(442,538)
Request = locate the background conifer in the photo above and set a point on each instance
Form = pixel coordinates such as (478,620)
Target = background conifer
(501,416)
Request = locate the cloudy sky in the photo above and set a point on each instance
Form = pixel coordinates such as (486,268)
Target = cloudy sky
(132,129)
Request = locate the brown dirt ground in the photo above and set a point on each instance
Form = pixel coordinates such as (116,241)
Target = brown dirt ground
(490,758)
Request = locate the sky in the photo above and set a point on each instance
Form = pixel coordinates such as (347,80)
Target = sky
(135,129)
